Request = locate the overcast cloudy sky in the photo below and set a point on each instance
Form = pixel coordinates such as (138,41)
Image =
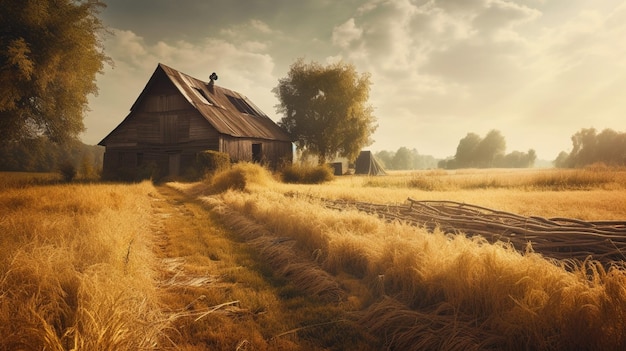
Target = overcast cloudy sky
(536,70)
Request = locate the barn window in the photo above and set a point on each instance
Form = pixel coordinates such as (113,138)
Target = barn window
(243,106)
(203,96)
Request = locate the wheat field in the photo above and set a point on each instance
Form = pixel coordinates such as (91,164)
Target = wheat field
(434,291)
(76,270)
(85,266)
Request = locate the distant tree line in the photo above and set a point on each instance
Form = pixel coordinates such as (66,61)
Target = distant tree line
(589,147)
(488,152)
(40,154)
(405,159)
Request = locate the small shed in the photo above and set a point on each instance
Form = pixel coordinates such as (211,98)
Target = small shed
(366,163)
(176,116)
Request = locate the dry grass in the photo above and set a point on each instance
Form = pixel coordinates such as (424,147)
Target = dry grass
(604,202)
(419,290)
(10,180)
(285,301)
(76,269)
(524,179)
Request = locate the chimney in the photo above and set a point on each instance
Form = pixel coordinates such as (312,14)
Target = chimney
(212,77)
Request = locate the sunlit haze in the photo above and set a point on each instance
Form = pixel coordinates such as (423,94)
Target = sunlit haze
(536,70)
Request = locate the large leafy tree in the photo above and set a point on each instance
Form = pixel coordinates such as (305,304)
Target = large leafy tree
(325,109)
(50,53)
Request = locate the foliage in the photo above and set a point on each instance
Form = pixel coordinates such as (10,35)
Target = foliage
(488,152)
(39,154)
(51,52)
(405,159)
(589,147)
(325,109)
(68,170)
(518,159)
(212,161)
(306,174)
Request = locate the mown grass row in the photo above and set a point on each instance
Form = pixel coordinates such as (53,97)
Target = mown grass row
(433,291)
(76,269)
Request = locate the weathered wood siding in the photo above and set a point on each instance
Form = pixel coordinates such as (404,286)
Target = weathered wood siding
(273,153)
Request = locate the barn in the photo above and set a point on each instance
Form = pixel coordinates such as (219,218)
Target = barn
(176,116)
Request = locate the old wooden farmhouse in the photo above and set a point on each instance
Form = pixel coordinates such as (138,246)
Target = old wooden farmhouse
(176,116)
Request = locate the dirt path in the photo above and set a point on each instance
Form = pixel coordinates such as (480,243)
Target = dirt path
(200,271)
(224,295)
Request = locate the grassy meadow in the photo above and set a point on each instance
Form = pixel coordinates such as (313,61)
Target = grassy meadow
(77,268)
(243,261)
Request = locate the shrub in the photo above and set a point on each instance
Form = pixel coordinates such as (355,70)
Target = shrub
(305,174)
(239,176)
(68,171)
(212,161)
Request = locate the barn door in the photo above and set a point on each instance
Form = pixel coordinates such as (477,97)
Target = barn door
(174,165)
(257,152)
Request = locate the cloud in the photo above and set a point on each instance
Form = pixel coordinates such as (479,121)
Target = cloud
(346,33)
(498,15)
(483,64)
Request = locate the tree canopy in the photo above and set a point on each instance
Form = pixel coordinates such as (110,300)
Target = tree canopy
(325,109)
(476,152)
(589,146)
(41,155)
(51,52)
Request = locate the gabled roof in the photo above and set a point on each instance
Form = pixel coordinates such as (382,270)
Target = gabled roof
(226,110)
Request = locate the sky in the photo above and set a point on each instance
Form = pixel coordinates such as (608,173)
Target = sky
(536,70)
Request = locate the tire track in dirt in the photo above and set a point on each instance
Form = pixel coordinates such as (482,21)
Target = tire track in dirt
(232,284)
(193,294)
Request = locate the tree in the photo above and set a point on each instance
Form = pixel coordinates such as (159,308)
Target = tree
(51,52)
(561,160)
(518,159)
(491,149)
(403,159)
(531,157)
(584,146)
(325,109)
(588,147)
(466,151)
